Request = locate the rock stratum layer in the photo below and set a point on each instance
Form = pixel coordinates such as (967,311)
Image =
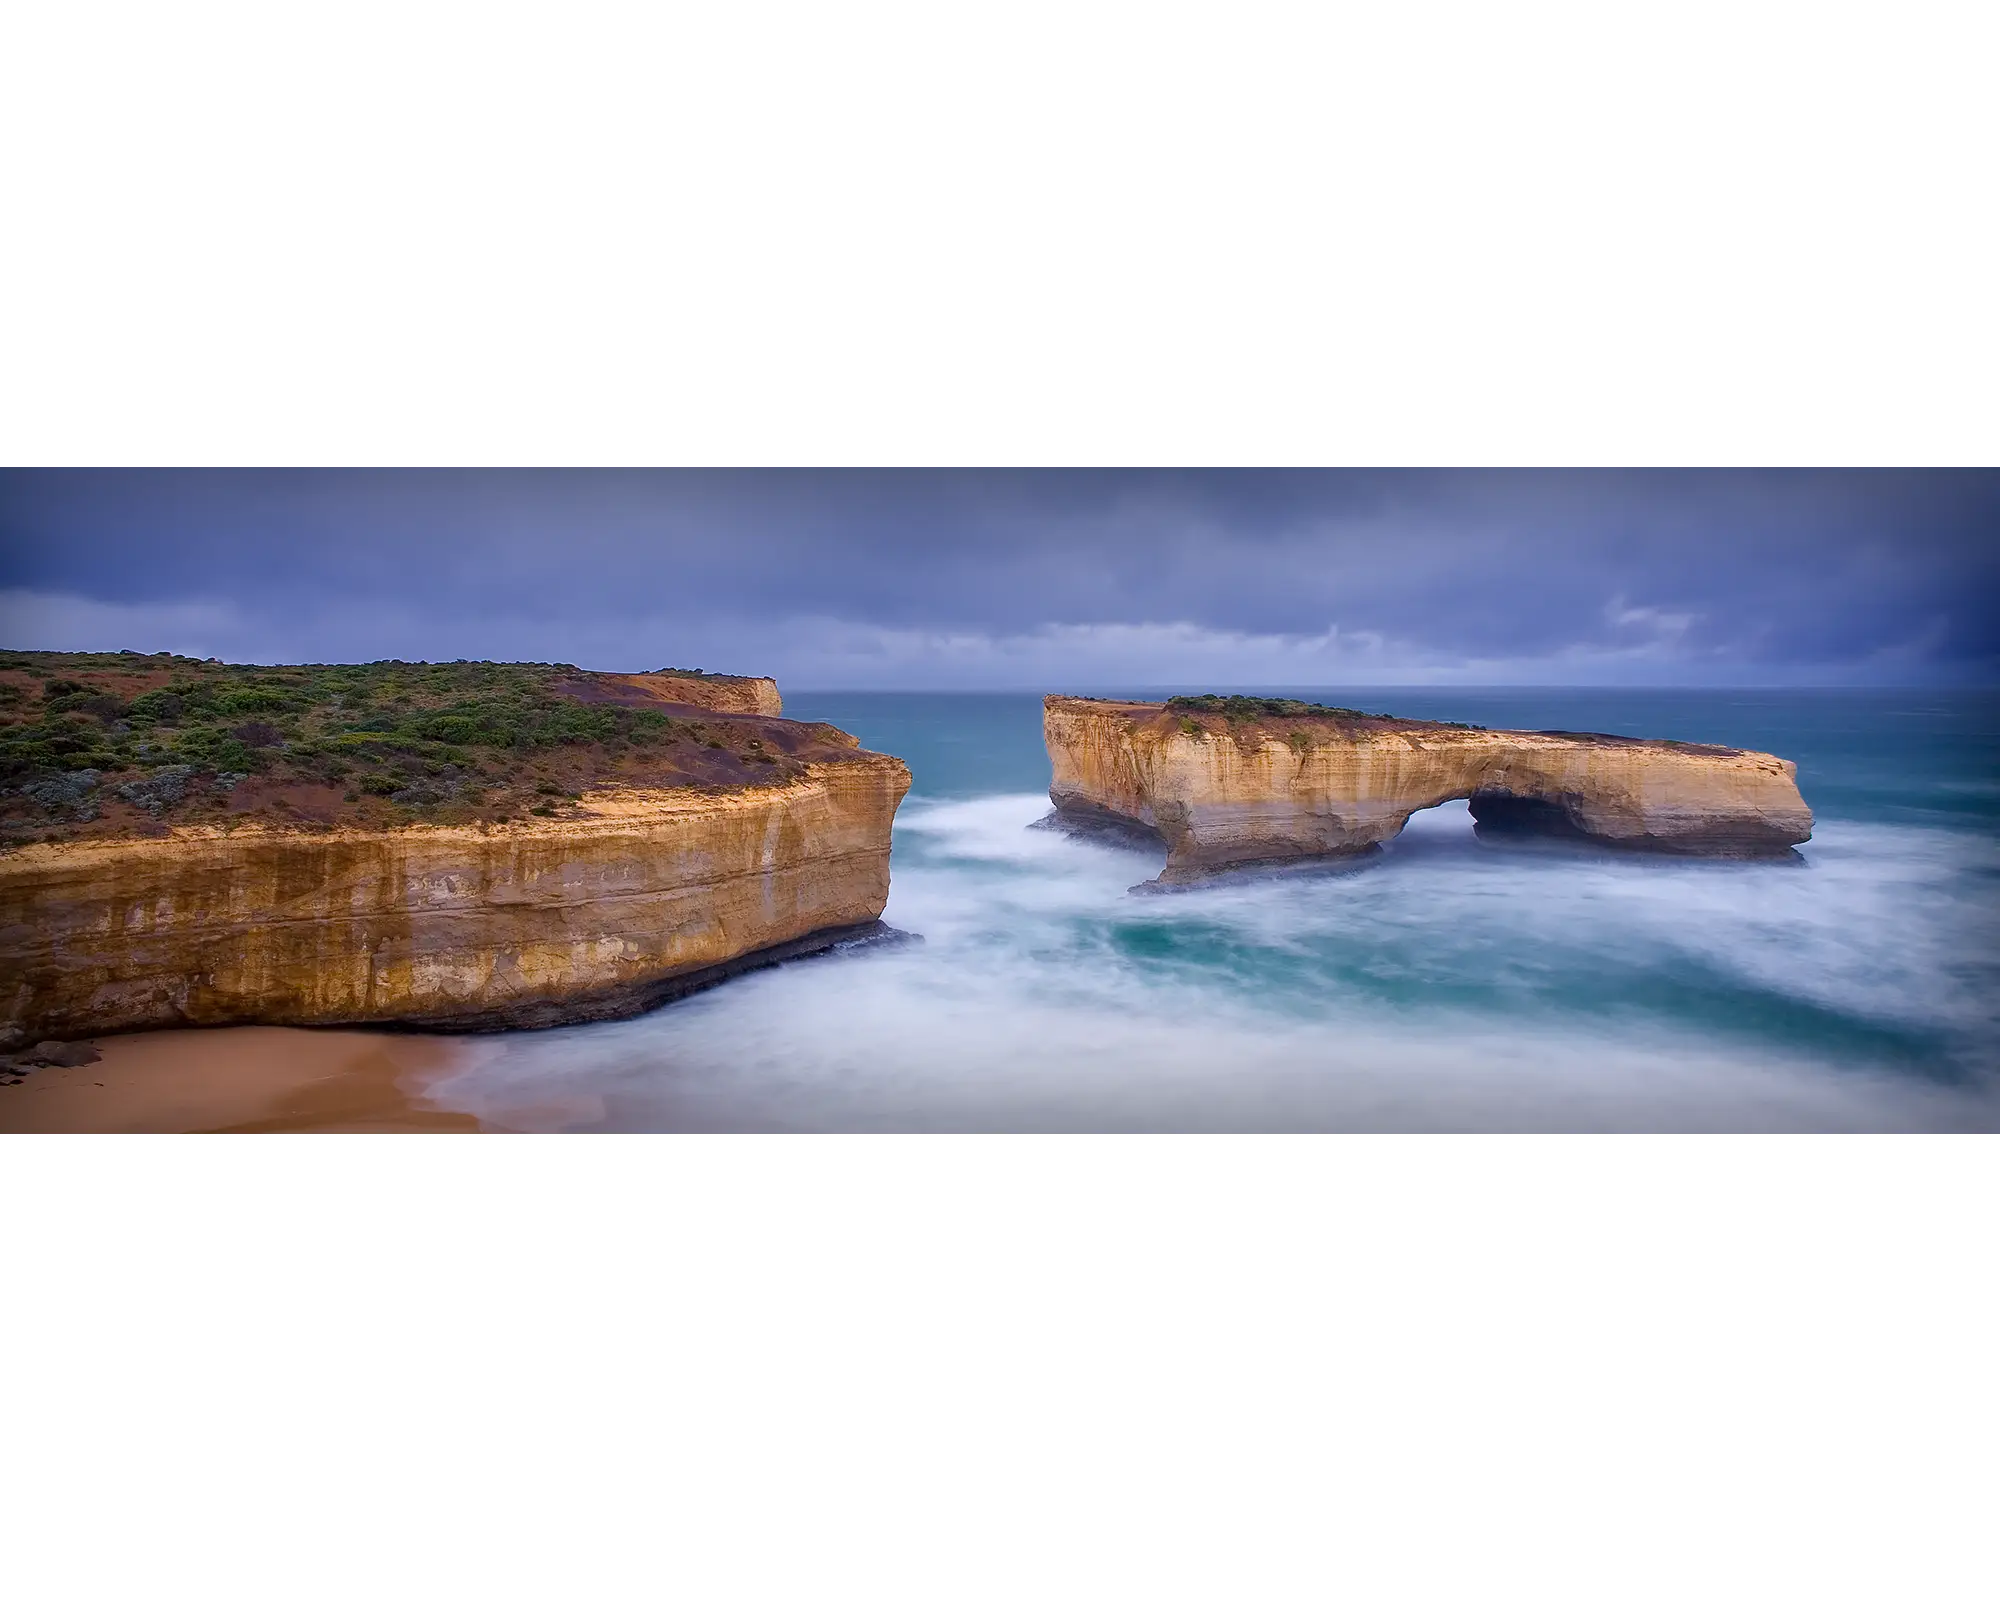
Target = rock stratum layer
(635,897)
(1226,792)
(709,691)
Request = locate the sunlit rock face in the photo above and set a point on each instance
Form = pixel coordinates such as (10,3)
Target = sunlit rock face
(638,896)
(1228,792)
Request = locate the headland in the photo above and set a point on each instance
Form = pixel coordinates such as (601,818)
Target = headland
(455,846)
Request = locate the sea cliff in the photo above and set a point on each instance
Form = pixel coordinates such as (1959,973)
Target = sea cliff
(637,896)
(446,845)
(1229,784)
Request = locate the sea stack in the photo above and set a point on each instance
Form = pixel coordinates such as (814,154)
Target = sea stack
(464,846)
(1242,781)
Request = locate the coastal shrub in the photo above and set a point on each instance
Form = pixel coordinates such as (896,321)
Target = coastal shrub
(166,787)
(216,751)
(457,728)
(242,702)
(1250,707)
(68,795)
(489,729)
(67,738)
(155,705)
(104,707)
(196,702)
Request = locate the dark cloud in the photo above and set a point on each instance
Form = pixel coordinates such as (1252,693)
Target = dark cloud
(1697,575)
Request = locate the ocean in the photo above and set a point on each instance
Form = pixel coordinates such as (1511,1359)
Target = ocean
(1456,985)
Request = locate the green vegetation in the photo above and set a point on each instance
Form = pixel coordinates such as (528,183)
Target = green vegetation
(219,718)
(459,740)
(1254,708)
(1249,707)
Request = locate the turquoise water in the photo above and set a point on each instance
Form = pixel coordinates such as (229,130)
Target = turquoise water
(1459,984)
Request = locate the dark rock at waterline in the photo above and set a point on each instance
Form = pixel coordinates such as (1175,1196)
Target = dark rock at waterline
(1503,818)
(1101,827)
(1176,880)
(634,999)
(54,1053)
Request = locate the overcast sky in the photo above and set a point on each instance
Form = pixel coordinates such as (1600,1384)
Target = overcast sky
(1042,580)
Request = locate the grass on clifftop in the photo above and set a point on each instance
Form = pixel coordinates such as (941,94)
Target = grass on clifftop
(1245,707)
(129,743)
(1253,708)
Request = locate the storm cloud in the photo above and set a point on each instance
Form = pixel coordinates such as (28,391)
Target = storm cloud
(1031,579)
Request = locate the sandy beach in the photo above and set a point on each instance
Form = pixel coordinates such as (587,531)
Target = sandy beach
(241,1080)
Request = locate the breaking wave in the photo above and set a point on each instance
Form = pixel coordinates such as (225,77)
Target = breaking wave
(1457,985)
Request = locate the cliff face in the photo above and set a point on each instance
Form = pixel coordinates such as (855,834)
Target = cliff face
(1225,792)
(743,697)
(637,896)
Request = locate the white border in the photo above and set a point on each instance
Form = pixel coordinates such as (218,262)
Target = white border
(991,1366)
(1076,234)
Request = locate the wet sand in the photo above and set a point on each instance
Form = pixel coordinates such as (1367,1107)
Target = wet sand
(242,1080)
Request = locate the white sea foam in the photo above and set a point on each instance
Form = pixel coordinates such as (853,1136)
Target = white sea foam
(1456,986)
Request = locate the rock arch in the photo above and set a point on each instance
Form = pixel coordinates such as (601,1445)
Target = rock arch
(1226,792)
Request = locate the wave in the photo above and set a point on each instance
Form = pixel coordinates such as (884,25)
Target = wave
(1455,986)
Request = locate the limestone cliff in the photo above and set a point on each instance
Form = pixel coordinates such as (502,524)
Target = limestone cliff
(1226,791)
(706,691)
(632,897)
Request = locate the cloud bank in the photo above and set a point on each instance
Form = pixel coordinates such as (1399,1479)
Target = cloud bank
(1060,579)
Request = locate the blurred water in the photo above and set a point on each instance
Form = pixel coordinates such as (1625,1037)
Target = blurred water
(1460,984)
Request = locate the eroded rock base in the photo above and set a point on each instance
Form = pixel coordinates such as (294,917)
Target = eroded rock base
(631,1000)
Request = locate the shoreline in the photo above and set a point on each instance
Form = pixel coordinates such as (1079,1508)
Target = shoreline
(243,1080)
